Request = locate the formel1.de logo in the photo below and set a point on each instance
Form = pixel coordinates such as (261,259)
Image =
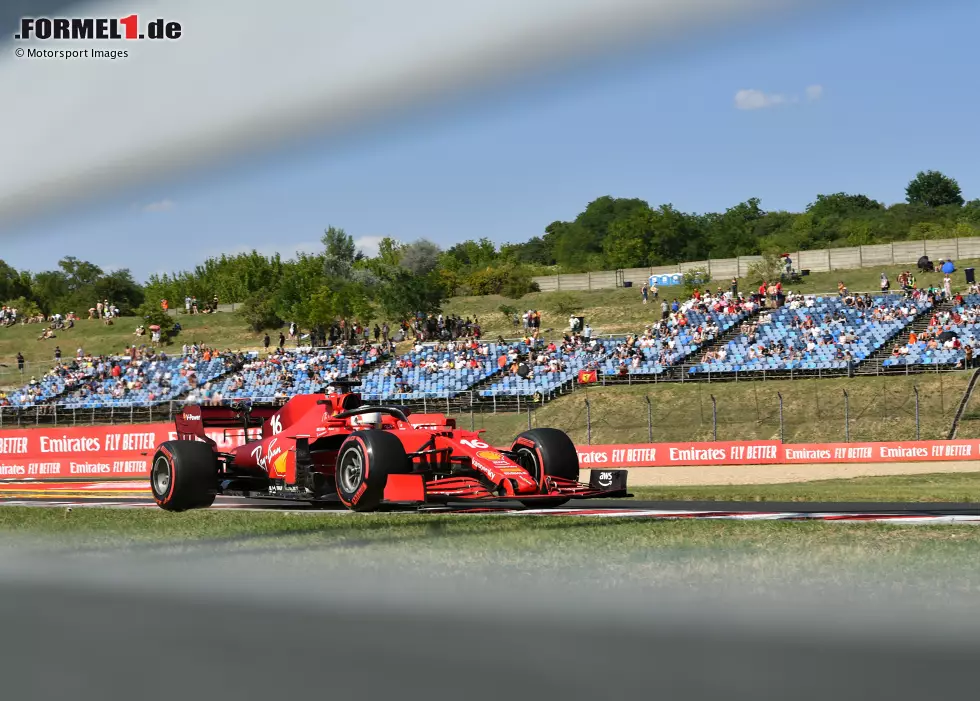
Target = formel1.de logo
(97,28)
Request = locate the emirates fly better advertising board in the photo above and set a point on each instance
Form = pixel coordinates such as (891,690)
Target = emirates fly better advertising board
(111,452)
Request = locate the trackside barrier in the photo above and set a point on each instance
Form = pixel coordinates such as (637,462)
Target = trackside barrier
(121,452)
(773,453)
(91,452)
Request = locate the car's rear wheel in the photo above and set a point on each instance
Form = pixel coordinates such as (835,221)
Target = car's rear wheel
(364,462)
(546,452)
(184,475)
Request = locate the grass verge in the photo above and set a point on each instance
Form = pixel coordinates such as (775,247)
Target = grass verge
(962,487)
(577,552)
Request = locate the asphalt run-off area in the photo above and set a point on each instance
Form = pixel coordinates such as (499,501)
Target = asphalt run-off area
(136,494)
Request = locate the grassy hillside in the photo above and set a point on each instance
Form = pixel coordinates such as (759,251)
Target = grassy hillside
(621,310)
(222,330)
(813,410)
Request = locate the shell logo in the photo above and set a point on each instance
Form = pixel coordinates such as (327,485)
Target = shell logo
(280,464)
(490,455)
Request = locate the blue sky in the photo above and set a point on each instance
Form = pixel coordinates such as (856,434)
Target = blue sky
(892,91)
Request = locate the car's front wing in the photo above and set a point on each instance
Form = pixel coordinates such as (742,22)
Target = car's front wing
(409,489)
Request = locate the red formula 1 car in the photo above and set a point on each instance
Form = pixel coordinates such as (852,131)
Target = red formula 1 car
(323,448)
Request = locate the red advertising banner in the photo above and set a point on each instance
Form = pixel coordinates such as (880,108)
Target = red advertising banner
(773,453)
(90,452)
(111,452)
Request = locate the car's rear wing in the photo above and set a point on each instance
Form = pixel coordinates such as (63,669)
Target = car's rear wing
(193,420)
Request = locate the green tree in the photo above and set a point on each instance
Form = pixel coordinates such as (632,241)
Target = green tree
(13,284)
(734,232)
(120,288)
(533,252)
(627,242)
(470,255)
(420,257)
(933,189)
(259,310)
(971,211)
(340,253)
(842,204)
(152,314)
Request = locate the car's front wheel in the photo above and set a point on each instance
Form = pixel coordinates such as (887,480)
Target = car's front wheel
(546,452)
(364,462)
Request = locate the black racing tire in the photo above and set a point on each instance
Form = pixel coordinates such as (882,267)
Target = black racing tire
(184,475)
(364,462)
(546,452)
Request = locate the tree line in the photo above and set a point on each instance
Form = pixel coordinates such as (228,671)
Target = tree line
(403,279)
(75,286)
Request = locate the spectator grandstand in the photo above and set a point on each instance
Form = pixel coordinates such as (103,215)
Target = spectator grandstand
(288,372)
(439,370)
(685,329)
(817,333)
(62,378)
(946,340)
(146,378)
(709,333)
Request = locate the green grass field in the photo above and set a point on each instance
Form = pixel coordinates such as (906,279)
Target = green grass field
(962,488)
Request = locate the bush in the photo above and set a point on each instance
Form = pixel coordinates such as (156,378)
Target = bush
(519,283)
(488,281)
(507,310)
(564,303)
(513,281)
(696,277)
(25,309)
(769,268)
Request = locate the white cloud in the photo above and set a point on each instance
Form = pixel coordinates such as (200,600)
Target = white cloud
(756,100)
(161,206)
(759,100)
(368,245)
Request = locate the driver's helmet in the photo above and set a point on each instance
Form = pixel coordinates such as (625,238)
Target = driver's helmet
(373,418)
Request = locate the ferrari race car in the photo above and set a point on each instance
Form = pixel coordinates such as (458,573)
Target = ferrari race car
(323,448)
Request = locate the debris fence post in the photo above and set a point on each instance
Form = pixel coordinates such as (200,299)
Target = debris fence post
(847,418)
(588,420)
(528,417)
(649,419)
(472,419)
(781,431)
(714,418)
(916,390)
